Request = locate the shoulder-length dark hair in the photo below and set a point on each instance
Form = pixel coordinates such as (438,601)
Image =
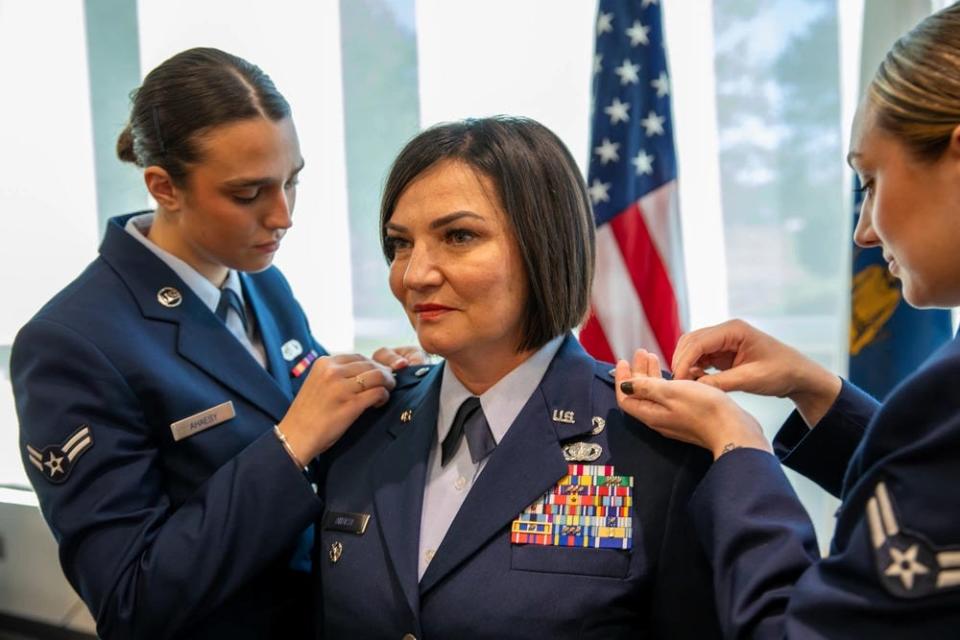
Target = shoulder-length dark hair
(540,188)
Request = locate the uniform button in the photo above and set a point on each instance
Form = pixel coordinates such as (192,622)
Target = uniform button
(409,636)
(429,554)
(460,483)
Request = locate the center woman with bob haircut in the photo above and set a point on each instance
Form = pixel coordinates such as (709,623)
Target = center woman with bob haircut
(502,493)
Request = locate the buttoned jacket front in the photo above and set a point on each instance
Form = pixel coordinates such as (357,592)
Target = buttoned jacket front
(479,584)
(164,537)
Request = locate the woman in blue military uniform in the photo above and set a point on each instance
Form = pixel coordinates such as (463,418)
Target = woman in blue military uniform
(894,564)
(148,390)
(503,494)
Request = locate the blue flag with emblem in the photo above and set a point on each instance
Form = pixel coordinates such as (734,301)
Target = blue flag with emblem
(889,339)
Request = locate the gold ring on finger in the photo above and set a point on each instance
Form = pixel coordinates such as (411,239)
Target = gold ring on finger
(359,381)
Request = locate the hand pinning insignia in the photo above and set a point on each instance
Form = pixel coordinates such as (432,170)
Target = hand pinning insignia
(56,462)
(907,564)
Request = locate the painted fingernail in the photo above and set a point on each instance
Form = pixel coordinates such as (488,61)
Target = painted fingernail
(627,387)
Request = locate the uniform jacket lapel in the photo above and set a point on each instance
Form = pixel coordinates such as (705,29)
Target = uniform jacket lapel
(527,462)
(399,480)
(269,333)
(202,338)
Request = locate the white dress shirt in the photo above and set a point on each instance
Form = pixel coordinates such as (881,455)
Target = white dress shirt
(209,294)
(447,487)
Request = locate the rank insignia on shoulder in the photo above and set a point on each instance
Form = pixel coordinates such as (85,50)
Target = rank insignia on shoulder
(299,368)
(56,461)
(908,565)
(590,507)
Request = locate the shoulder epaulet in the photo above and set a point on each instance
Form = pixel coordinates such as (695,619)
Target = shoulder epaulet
(605,371)
(412,375)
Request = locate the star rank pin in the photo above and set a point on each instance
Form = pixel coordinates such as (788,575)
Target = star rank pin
(590,507)
(56,461)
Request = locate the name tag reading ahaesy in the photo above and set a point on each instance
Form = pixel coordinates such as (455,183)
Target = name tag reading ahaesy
(202,421)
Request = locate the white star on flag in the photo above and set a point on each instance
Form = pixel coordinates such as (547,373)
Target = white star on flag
(604,23)
(608,151)
(647,3)
(597,59)
(598,191)
(653,124)
(638,34)
(643,162)
(618,111)
(661,84)
(628,72)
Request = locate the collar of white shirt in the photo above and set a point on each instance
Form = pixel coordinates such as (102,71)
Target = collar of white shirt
(503,401)
(139,227)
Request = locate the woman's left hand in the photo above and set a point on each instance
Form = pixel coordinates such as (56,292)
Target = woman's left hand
(683,409)
(399,357)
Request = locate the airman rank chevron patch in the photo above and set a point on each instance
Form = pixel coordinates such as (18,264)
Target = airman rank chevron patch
(589,507)
(56,461)
(907,563)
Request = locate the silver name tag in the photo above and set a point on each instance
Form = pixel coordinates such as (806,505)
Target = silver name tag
(202,421)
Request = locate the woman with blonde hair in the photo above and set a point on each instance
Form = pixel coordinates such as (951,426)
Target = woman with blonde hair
(894,563)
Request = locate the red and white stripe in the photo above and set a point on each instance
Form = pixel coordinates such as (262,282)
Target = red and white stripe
(636,302)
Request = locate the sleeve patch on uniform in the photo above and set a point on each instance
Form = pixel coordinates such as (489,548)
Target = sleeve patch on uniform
(56,461)
(908,565)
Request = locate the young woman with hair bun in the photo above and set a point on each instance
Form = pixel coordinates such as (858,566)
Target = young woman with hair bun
(894,565)
(172,397)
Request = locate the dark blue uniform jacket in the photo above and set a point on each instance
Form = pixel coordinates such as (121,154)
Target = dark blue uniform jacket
(164,538)
(479,584)
(894,565)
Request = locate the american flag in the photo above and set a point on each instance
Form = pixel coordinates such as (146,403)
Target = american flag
(638,288)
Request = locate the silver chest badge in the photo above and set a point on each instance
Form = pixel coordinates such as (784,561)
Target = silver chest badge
(582,452)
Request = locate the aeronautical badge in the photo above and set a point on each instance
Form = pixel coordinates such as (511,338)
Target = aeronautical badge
(56,461)
(908,565)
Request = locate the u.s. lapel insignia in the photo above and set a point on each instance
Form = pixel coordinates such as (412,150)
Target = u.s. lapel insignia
(581,451)
(56,461)
(406,416)
(422,371)
(304,364)
(291,349)
(598,425)
(169,297)
(566,417)
(908,565)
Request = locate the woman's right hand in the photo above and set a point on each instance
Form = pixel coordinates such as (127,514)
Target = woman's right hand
(752,361)
(337,390)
